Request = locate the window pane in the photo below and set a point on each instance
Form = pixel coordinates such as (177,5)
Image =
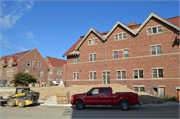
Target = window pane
(74,60)
(154,73)
(94,75)
(90,57)
(115,54)
(126,54)
(104,73)
(116,37)
(153,50)
(158,49)
(77,75)
(154,30)
(141,89)
(120,36)
(105,91)
(90,75)
(160,71)
(78,59)
(94,57)
(135,73)
(74,75)
(159,29)
(92,41)
(140,73)
(123,75)
(89,42)
(119,74)
(124,35)
(108,73)
(95,91)
(104,79)
(136,89)
(149,31)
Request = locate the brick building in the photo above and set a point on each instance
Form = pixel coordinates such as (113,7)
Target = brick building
(144,57)
(55,66)
(29,62)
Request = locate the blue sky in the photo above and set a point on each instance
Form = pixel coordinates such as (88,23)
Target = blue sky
(54,26)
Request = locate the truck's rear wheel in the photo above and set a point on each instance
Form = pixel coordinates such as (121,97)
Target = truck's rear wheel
(80,105)
(11,102)
(124,105)
(21,103)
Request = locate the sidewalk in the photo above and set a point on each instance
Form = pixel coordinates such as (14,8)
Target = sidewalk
(143,105)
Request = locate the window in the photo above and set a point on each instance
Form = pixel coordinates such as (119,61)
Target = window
(115,54)
(92,57)
(61,78)
(41,73)
(157,73)
(154,30)
(1,64)
(34,55)
(155,50)
(91,41)
(0,73)
(50,72)
(121,74)
(138,73)
(30,63)
(56,78)
(9,72)
(59,72)
(104,91)
(126,53)
(76,76)
(76,59)
(95,91)
(26,71)
(10,62)
(120,36)
(92,75)
(139,88)
(38,64)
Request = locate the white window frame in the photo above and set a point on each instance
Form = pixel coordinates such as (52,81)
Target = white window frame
(30,62)
(139,86)
(121,74)
(124,53)
(117,54)
(151,28)
(138,73)
(9,72)
(41,74)
(93,74)
(76,77)
(38,64)
(26,71)
(50,71)
(93,58)
(90,41)
(76,59)
(59,71)
(122,35)
(157,69)
(156,51)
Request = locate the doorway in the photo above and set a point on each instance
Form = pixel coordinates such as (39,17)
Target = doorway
(158,91)
(106,77)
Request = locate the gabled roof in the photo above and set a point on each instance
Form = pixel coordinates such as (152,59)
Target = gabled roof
(87,34)
(173,22)
(56,62)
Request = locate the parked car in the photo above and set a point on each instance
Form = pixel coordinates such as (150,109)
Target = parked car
(104,96)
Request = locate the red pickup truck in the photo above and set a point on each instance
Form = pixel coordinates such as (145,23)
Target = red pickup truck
(104,96)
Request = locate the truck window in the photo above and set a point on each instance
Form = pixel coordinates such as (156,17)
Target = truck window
(105,91)
(95,91)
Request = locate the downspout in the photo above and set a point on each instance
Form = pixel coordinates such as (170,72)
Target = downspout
(105,52)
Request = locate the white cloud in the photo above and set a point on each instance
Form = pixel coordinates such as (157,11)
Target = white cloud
(29,35)
(18,9)
(4,41)
(32,41)
(20,48)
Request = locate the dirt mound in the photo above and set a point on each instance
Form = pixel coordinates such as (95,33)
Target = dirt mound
(46,93)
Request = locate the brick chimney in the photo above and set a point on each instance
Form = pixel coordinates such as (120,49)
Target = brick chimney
(131,24)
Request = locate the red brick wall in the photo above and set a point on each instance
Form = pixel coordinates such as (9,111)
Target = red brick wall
(139,57)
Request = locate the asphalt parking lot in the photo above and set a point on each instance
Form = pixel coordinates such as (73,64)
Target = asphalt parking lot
(60,112)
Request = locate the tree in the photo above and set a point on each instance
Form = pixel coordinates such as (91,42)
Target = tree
(23,79)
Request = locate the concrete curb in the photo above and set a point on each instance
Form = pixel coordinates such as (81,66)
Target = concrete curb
(144,105)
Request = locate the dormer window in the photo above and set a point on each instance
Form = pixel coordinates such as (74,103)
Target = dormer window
(10,62)
(120,36)
(92,41)
(154,30)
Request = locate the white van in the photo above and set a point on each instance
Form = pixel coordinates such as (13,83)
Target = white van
(54,82)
